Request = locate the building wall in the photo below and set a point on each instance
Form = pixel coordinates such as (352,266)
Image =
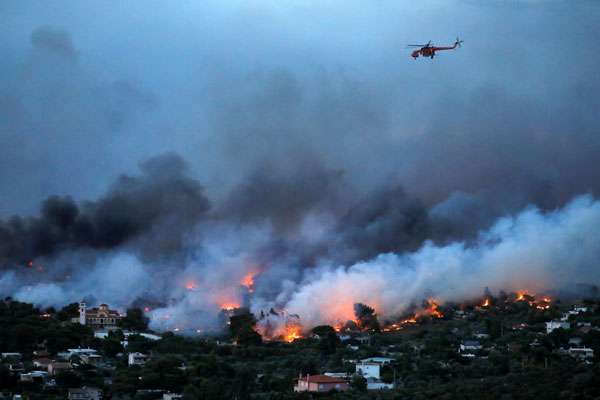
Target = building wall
(97,317)
(326,387)
(320,387)
(368,370)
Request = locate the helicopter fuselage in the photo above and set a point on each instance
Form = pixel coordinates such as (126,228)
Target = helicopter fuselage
(429,51)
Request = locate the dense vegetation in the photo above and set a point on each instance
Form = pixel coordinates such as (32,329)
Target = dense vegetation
(516,363)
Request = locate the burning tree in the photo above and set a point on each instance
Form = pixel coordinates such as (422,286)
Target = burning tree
(366,317)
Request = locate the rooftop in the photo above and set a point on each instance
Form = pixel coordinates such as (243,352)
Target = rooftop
(321,379)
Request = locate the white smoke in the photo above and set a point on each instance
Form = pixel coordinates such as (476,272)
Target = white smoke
(114,278)
(531,250)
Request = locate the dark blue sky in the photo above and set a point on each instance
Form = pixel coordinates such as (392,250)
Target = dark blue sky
(90,89)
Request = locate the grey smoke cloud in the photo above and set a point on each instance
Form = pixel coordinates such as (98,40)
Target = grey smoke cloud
(236,87)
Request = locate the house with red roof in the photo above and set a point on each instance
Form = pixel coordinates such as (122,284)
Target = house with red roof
(320,383)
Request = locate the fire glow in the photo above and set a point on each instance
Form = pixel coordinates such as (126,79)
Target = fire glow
(432,309)
(292,332)
(248,281)
(229,306)
(539,302)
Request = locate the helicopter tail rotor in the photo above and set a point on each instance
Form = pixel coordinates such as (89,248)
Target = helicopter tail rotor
(458,42)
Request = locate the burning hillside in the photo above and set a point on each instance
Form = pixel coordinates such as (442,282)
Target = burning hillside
(309,269)
(282,326)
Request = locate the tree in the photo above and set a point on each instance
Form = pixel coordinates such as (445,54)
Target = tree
(387,374)
(135,320)
(68,379)
(243,383)
(493,327)
(68,312)
(559,337)
(241,327)
(367,319)
(359,383)
(323,330)
(116,335)
(249,338)
(329,344)
(111,347)
(7,379)
(191,392)
(25,337)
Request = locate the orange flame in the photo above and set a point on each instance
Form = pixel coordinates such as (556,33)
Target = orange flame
(544,304)
(248,281)
(486,302)
(292,332)
(432,309)
(229,306)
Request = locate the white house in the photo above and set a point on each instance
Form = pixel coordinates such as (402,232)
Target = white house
(79,352)
(126,334)
(378,360)
(469,346)
(41,363)
(172,396)
(575,311)
(583,353)
(368,369)
(91,359)
(136,359)
(340,375)
(552,325)
(12,356)
(56,367)
(30,376)
(378,384)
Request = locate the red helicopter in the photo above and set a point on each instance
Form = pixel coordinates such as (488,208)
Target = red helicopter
(428,50)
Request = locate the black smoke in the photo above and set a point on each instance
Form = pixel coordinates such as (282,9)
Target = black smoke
(386,221)
(154,210)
